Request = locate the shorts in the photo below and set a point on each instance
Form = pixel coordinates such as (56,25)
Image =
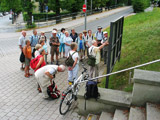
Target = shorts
(62,46)
(54,50)
(27,61)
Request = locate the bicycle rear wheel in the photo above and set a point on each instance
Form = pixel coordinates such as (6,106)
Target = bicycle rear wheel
(66,102)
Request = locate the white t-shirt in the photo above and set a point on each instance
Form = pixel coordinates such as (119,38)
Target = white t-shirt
(75,55)
(36,53)
(95,51)
(22,41)
(48,68)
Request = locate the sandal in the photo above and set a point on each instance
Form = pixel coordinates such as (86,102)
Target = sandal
(26,75)
(39,89)
(30,74)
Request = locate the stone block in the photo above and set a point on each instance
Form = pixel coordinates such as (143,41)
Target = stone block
(106,116)
(137,113)
(153,112)
(120,115)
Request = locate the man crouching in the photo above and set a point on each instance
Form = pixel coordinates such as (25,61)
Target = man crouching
(45,75)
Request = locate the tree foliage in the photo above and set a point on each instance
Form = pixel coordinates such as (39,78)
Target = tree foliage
(140,5)
(7,5)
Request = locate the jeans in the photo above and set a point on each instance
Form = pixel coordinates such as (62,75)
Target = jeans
(62,47)
(73,74)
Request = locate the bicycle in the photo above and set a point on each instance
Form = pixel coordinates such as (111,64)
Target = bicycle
(70,94)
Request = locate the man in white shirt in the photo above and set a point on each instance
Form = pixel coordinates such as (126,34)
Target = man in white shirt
(21,44)
(95,51)
(99,36)
(45,75)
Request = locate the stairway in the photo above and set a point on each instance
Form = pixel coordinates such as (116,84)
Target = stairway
(151,112)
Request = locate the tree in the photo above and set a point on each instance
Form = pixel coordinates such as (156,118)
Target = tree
(14,5)
(28,6)
(42,4)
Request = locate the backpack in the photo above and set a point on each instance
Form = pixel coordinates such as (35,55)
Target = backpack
(53,92)
(69,61)
(91,91)
(91,59)
(34,62)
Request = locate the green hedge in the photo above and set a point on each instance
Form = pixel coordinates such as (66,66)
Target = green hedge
(43,16)
(140,5)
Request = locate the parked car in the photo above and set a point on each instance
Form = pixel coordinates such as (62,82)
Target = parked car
(1,15)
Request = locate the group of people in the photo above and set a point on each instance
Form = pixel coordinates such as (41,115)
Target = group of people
(61,45)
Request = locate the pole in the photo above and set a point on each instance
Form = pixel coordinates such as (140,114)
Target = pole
(91,6)
(85,19)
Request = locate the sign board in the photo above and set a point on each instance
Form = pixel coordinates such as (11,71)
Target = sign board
(46,8)
(84,8)
(115,43)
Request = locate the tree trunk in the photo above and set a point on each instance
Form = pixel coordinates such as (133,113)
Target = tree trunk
(58,17)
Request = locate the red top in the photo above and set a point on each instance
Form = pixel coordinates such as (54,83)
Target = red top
(43,63)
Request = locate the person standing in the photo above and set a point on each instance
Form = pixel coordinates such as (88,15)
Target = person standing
(67,41)
(44,46)
(61,40)
(105,49)
(73,35)
(73,70)
(89,40)
(34,39)
(54,43)
(28,55)
(95,51)
(81,43)
(99,36)
(45,75)
(85,38)
(21,43)
(42,35)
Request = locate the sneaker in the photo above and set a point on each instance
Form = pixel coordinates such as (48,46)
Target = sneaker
(57,63)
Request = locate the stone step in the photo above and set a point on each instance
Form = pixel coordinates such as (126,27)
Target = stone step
(106,116)
(120,115)
(137,113)
(153,111)
(92,117)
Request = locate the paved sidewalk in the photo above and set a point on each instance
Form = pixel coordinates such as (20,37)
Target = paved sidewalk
(69,24)
(19,98)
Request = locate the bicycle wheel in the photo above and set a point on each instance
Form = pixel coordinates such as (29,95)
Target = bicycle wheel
(65,102)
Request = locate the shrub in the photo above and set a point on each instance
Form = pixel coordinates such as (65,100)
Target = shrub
(140,5)
(30,26)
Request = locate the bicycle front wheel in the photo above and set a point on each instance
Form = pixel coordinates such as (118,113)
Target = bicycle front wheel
(66,102)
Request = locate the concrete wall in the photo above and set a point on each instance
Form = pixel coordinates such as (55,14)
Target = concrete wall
(146,87)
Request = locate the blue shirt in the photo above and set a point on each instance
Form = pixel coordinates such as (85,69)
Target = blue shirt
(81,45)
(45,48)
(62,36)
(34,40)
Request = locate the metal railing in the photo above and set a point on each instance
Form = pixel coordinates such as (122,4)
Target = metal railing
(127,69)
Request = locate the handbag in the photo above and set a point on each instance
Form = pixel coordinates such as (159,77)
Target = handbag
(22,58)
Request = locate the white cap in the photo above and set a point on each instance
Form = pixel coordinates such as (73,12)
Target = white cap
(99,27)
(54,31)
(62,67)
(105,32)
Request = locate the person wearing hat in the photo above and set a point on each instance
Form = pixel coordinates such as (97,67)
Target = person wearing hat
(99,36)
(61,40)
(42,35)
(105,49)
(54,43)
(85,38)
(45,75)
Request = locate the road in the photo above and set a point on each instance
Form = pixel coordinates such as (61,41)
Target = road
(6,24)
(104,22)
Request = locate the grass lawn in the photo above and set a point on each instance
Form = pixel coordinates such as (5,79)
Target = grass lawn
(140,44)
